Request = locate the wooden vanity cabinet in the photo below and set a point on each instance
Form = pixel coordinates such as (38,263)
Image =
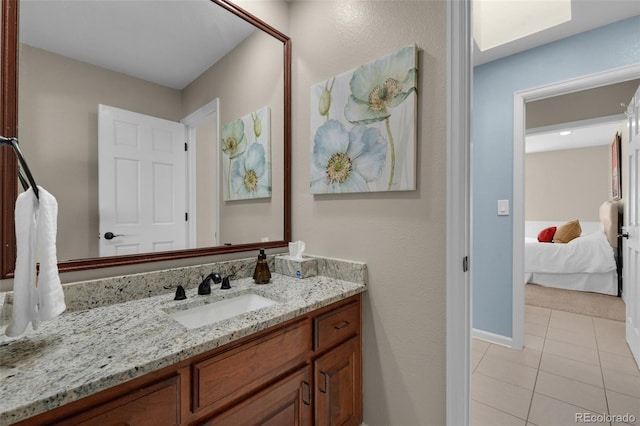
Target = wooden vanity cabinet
(304,372)
(151,405)
(287,402)
(338,366)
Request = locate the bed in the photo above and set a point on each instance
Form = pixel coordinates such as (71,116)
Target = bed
(586,263)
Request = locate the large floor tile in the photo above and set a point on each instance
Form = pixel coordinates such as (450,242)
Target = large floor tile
(503,396)
(613,344)
(479,345)
(571,369)
(507,371)
(476,357)
(533,342)
(546,411)
(483,415)
(526,356)
(622,405)
(605,326)
(586,339)
(571,391)
(571,351)
(620,363)
(571,321)
(534,329)
(621,382)
(537,315)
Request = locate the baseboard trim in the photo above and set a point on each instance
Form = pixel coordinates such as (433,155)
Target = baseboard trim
(496,339)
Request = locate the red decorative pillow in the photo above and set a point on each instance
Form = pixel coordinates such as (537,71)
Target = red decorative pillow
(546,235)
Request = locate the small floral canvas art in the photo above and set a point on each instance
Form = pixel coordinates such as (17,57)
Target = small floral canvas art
(363,127)
(246,156)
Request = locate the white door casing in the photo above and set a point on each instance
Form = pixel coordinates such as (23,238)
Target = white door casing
(631,229)
(141,183)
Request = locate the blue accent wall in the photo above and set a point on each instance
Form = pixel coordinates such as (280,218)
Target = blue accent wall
(495,83)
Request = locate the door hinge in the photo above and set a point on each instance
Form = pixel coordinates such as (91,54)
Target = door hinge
(465,264)
(185,146)
(186,217)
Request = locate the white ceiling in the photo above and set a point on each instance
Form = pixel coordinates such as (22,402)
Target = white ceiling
(585,15)
(586,133)
(168,42)
(176,40)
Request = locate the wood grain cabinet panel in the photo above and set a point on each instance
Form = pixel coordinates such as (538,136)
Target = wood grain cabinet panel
(338,390)
(336,326)
(158,404)
(287,402)
(228,376)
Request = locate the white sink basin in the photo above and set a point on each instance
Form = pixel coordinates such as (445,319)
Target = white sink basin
(221,310)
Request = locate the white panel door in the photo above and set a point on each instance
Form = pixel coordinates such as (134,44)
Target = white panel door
(631,244)
(141,183)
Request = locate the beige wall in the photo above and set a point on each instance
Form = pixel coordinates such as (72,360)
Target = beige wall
(567,184)
(400,235)
(58,132)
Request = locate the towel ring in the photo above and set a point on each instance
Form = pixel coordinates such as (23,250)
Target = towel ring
(13,143)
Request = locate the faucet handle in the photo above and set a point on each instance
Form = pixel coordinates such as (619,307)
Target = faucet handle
(226,284)
(180,293)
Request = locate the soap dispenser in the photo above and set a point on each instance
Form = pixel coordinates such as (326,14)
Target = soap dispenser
(262,275)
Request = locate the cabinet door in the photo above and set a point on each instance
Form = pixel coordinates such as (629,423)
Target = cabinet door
(338,379)
(158,404)
(286,403)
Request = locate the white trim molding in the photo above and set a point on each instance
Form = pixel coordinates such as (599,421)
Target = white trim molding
(520,98)
(496,339)
(206,112)
(458,317)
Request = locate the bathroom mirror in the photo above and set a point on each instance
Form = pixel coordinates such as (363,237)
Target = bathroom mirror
(45,106)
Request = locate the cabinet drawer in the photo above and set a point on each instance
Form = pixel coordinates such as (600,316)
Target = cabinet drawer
(287,402)
(336,326)
(152,405)
(230,375)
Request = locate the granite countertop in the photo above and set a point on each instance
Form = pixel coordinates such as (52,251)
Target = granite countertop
(86,351)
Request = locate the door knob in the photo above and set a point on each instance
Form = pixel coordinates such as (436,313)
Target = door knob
(624,235)
(111,235)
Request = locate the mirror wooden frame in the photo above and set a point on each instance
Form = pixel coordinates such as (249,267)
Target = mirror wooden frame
(9,167)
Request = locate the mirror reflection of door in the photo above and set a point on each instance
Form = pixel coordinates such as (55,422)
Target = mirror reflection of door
(142,183)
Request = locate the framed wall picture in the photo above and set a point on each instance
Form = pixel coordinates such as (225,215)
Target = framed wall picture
(246,156)
(364,127)
(616,177)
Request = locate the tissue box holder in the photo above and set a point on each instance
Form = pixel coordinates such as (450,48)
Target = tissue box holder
(297,268)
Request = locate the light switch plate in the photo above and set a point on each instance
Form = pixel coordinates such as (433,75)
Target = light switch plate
(503,207)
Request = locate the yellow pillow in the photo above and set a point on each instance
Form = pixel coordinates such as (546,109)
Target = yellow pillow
(567,232)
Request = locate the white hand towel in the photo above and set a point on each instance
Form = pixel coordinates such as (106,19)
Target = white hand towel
(36,227)
(50,294)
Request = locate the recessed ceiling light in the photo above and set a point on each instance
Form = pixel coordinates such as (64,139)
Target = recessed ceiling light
(565,133)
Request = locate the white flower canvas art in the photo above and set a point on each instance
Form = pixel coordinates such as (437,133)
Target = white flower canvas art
(363,127)
(246,156)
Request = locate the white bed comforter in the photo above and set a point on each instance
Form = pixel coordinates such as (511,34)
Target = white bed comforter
(586,254)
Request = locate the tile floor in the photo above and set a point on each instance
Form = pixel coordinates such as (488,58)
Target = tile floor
(571,364)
